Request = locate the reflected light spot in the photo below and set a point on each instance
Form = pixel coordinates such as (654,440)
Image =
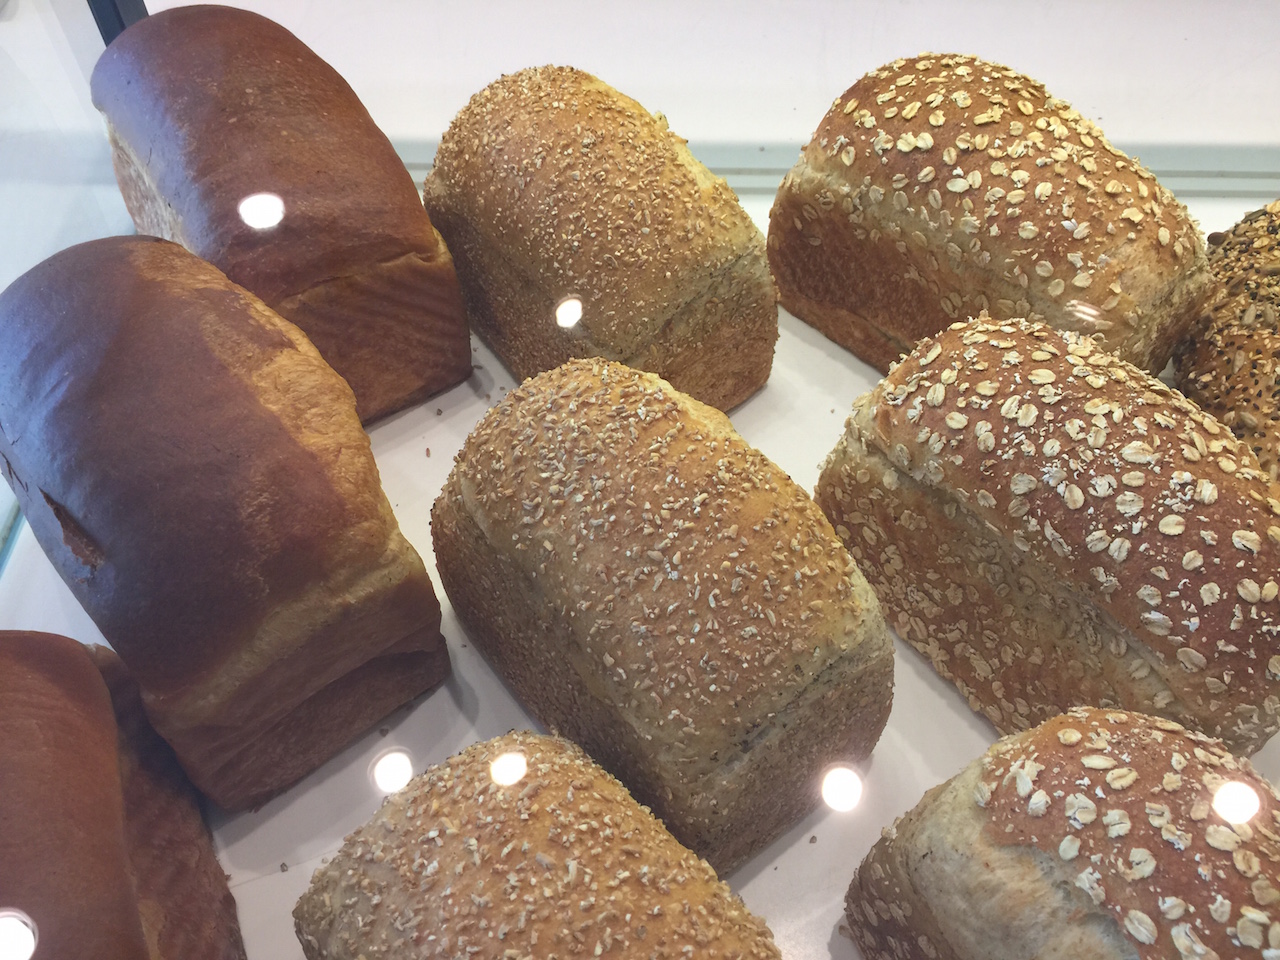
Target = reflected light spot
(392,770)
(842,788)
(262,211)
(17,935)
(1083,311)
(569,312)
(1236,802)
(508,769)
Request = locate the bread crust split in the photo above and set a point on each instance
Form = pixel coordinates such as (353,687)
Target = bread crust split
(199,477)
(1052,527)
(1092,835)
(656,590)
(207,105)
(941,186)
(449,866)
(550,184)
(1230,368)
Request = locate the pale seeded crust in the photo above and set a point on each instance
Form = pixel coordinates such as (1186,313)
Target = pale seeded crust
(207,105)
(1232,368)
(562,863)
(198,476)
(187,909)
(943,185)
(1051,527)
(1092,835)
(549,184)
(656,589)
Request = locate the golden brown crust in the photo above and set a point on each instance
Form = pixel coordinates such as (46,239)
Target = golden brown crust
(657,589)
(1051,526)
(562,863)
(208,105)
(943,185)
(198,476)
(63,859)
(550,184)
(1231,368)
(1092,835)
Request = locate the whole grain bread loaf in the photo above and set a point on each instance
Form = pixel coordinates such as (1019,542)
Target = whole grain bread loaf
(656,590)
(943,185)
(1053,527)
(551,185)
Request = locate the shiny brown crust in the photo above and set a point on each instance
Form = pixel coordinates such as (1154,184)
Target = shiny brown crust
(943,185)
(563,863)
(656,590)
(187,909)
(198,476)
(550,184)
(209,104)
(1052,527)
(63,860)
(1232,368)
(1092,835)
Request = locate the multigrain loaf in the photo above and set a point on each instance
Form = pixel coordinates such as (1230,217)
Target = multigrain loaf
(1230,369)
(943,185)
(561,863)
(551,185)
(656,590)
(1053,527)
(1095,835)
(198,476)
(209,105)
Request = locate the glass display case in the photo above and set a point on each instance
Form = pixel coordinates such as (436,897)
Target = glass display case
(1192,89)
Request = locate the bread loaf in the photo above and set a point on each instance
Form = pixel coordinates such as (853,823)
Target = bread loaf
(198,476)
(209,105)
(63,860)
(943,185)
(550,185)
(657,591)
(1230,369)
(1094,835)
(560,863)
(1053,527)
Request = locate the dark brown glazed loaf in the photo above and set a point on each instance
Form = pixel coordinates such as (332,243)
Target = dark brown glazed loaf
(1053,527)
(942,185)
(1093,836)
(208,105)
(551,184)
(656,590)
(1232,368)
(198,476)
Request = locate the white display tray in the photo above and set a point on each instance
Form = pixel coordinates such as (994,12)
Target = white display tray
(797,884)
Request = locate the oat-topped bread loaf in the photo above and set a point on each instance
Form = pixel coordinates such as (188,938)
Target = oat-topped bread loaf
(1095,835)
(463,862)
(943,185)
(1231,368)
(198,476)
(210,105)
(1052,527)
(550,185)
(656,590)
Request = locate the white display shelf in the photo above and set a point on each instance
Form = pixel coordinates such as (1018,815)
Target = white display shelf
(798,883)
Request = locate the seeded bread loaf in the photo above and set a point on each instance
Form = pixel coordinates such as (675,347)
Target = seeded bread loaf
(209,105)
(657,591)
(1231,369)
(943,185)
(561,863)
(1093,835)
(198,476)
(1053,527)
(550,184)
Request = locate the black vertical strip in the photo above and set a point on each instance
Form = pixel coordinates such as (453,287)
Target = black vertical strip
(112,16)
